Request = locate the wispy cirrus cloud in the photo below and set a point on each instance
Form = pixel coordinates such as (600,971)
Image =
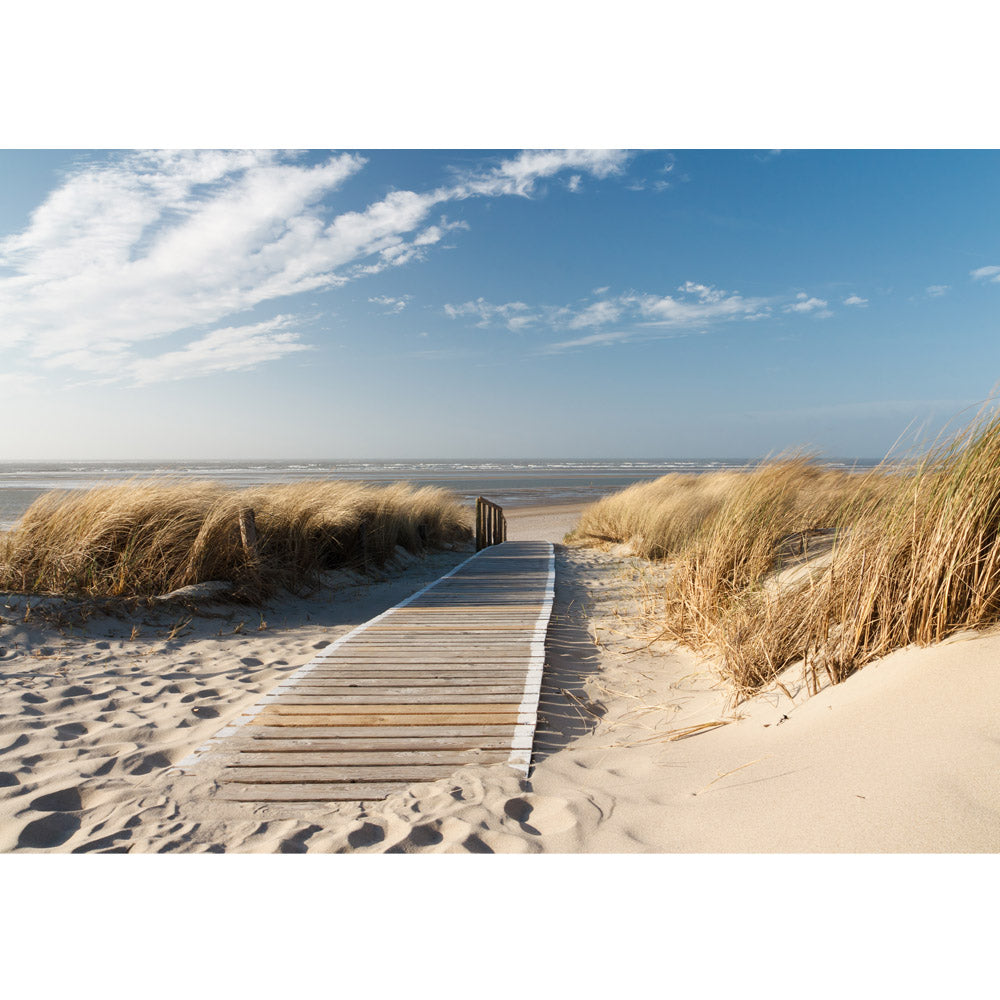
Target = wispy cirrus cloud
(855,300)
(146,245)
(231,349)
(636,316)
(936,291)
(520,175)
(990,273)
(605,339)
(513,315)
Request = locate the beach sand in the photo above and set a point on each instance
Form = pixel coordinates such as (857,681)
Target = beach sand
(903,757)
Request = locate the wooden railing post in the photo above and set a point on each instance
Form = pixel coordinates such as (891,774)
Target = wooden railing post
(248,532)
(491,525)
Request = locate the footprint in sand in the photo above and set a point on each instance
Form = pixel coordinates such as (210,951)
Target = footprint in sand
(65,800)
(148,762)
(61,823)
(423,835)
(475,845)
(548,814)
(70,731)
(251,661)
(8,779)
(16,745)
(33,699)
(49,831)
(75,691)
(207,693)
(296,844)
(106,845)
(367,835)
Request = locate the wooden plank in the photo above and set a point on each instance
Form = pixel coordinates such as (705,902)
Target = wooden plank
(329,719)
(374,708)
(379,758)
(414,681)
(463,731)
(424,699)
(343,792)
(290,742)
(324,773)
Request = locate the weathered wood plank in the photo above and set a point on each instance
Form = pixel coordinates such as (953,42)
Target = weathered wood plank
(396,679)
(371,744)
(375,708)
(323,773)
(359,758)
(344,792)
(329,719)
(424,699)
(474,731)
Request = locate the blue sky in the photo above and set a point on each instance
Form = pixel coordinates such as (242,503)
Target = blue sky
(469,303)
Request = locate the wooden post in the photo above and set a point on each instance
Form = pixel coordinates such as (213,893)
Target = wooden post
(491,525)
(248,532)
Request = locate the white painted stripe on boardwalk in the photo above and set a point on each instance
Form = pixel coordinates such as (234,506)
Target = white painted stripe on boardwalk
(245,716)
(528,709)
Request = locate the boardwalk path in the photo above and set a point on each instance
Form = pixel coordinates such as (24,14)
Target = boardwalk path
(450,676)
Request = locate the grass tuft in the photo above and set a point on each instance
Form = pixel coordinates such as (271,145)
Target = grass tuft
(790,561)
(141,539)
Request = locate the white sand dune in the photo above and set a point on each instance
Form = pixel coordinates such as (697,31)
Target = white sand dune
(903,757)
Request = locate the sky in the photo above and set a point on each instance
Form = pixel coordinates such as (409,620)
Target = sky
(474,303)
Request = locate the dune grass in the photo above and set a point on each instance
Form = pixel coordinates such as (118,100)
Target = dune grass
(900,555)
(140,539)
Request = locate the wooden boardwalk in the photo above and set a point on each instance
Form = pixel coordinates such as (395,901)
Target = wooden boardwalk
(450,676)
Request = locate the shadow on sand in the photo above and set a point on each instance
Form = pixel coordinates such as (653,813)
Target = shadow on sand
(565,712)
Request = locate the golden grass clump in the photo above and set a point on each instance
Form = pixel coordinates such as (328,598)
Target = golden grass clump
(793,562)
(147,538)
(921,566)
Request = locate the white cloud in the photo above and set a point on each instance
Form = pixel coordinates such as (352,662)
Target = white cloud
(520,175)
(805,304)
(231,349)
(392,305)
(514,315)
(592,340)
(936,291)
(700,304)
(991,273)
(855,300)
(597,315)
(649,315)
(150,244)
(153,243)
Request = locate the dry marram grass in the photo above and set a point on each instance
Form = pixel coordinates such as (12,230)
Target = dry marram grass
(791,561)
(146,538)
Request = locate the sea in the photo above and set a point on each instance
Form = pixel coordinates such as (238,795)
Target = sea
(509,483)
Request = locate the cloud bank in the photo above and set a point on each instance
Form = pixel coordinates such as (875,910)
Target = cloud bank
(146,245)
